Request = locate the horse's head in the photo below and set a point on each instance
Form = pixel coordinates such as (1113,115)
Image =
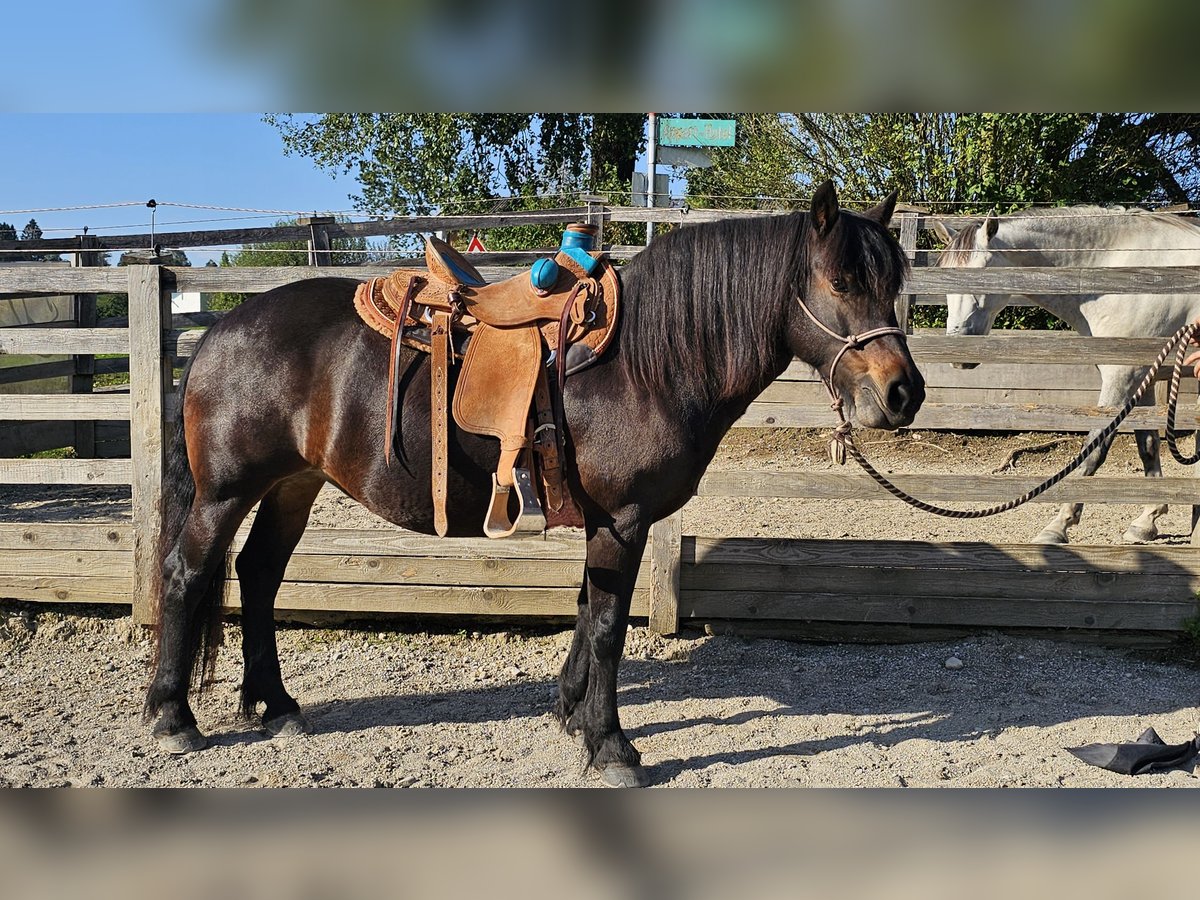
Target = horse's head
(971,248)
(855,270)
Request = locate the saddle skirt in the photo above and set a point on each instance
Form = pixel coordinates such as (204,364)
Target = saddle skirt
(507,335)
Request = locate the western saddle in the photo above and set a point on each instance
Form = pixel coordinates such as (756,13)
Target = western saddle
(562,314)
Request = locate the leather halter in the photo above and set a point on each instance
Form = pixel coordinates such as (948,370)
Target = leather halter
(837,446)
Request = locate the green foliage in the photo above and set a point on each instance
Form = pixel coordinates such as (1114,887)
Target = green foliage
(110,306)
(1191,633)
(421,163)
(959,162)
(1011,317)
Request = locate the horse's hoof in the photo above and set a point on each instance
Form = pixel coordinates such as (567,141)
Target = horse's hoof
(1136,534)
(1049,536)
(288,725)
(577,737)
(616,775)
(177,743)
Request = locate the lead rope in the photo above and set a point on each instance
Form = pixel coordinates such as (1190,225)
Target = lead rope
(842,443)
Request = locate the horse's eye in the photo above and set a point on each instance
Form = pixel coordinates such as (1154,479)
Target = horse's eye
(840,285)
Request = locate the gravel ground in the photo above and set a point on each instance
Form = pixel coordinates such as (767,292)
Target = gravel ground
(418,704)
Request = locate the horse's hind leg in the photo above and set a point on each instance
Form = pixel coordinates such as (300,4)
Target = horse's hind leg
(190,607)
(1144,528)
(281,519)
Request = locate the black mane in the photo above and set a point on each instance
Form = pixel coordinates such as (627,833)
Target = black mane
(707,303)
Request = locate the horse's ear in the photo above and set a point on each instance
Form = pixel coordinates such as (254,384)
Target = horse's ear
(824,210)
(945,235)
(990,224)
(882,212)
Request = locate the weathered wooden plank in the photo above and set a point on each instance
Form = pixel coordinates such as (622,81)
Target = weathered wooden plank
(853,484)
(1035,347)
(414,570)
(65,471)
(60,280)
(959,556)
(862,581)
(992,372)
(1036,280)
(813,394)
(64,340)
(59,407)
(1020,376)
(252,280)
(60,589)
(428,599)
(68,563)
(41,536)
(665,546)
(959,417)
(149,379)
(558,544)
(966,610)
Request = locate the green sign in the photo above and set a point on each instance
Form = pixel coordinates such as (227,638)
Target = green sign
(696,132)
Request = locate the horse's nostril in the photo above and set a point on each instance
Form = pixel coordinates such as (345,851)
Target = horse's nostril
(899,395)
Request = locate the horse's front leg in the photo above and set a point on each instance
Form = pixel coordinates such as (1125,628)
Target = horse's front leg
(614,552)
(1117,383)
(573,679)
(1069,514)
(1144,528)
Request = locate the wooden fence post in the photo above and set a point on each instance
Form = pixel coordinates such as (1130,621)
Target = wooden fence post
(318,241)
(908,241)
(84,314)
(666,540)
(150,378)
(595,216)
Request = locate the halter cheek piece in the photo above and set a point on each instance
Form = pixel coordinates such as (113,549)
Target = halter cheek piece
(837,445)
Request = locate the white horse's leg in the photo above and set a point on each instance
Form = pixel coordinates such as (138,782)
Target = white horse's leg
(1116,386)
(1144,528)
(1069,514)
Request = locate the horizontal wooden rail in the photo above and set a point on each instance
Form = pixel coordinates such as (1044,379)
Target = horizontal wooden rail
(852,484)
(61,280)
(66,471)
(59,407)
(974,417)
(64,340)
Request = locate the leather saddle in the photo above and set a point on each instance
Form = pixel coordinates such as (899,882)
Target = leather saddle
(517,341)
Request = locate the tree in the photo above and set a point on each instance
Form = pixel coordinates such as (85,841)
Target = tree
(421,163)
(31,232)
(960,162)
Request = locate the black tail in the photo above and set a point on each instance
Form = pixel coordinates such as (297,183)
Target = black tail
(204,632)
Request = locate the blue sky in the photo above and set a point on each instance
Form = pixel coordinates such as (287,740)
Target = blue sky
(224,159)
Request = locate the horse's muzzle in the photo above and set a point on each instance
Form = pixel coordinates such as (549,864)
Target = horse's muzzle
(891,405)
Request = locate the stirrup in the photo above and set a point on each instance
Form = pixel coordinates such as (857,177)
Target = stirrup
(530,518)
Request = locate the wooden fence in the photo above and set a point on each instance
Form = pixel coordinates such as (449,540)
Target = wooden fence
(1046,382)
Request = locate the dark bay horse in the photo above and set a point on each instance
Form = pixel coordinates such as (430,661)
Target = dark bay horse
(288,392)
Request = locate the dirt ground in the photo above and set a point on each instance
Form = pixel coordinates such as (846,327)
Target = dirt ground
(423,703)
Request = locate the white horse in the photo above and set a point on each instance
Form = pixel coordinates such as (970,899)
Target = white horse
(1088,236)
